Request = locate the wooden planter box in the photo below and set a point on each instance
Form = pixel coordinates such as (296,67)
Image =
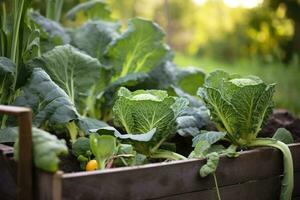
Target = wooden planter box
(255,174)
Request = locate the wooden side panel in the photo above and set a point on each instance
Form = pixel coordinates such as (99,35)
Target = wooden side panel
(169,179)
(8,186)
(268,189)
(48,186)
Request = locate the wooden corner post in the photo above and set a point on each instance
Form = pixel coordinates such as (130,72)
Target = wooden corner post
(24,178)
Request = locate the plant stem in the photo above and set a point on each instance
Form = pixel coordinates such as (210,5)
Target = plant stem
(288,172)
(101,163)
(3,27)
(53,9)
(154,149)
(18,6)
(217,187)
(72,128)
(161,153)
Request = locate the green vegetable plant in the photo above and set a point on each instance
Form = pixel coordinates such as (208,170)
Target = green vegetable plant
(104,147)
(69,76)
(141,111)
(239,106)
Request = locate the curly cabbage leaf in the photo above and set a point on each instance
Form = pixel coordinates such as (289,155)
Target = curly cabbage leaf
(238,105)
(143,110)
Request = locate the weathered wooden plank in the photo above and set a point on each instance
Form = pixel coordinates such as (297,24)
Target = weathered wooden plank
(8,186)
(48,186)
(267,189)
(24,170)
(157,180)
(296,184)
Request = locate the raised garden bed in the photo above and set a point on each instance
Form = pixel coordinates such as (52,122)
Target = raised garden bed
(120,101)
(255,174)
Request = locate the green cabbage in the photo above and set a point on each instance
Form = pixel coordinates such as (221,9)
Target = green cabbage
(143,110)
(239,106)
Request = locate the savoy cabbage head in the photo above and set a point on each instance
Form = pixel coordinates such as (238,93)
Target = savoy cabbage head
(143,110)
(238,105)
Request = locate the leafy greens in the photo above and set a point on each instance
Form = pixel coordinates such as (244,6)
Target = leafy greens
(239,106)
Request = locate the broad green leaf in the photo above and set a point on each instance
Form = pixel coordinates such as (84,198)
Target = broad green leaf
(129,81)
(46,149)
(201,148)
(190,79)
(7,78)
(163,76)
(93,10)
(81,147)
(222,111)
(139,49)
(9,134)
(187,125)
(94,37)
(192,120)
(103,147)
(194,101)
(86,124)
(211,137)
(284,136)
(51,32)
(31,40)
(72,70)
(231,151)
(144,137)
(50,104)
(125,155)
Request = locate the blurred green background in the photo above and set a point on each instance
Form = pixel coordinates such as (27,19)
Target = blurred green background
(259,37)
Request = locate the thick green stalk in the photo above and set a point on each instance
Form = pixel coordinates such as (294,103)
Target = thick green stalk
(72,128)
(53,9)
(101,163)
(161,153)
(3,27)
(288,172)
(18,6)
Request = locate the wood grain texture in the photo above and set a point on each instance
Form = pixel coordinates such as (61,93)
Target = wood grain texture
(48,185)
(266,189)
(24,168)
(155,181)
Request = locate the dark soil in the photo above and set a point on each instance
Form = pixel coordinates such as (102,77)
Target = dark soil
(282,119)
(69,163)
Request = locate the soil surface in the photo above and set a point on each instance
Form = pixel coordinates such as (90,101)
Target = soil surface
(281,118)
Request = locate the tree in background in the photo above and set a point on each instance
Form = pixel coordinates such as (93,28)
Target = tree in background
(215,30)
(292,12)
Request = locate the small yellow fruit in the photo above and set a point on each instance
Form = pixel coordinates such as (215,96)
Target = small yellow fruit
(91,165)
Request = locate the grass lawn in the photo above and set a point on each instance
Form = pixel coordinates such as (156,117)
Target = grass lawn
(287,93)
